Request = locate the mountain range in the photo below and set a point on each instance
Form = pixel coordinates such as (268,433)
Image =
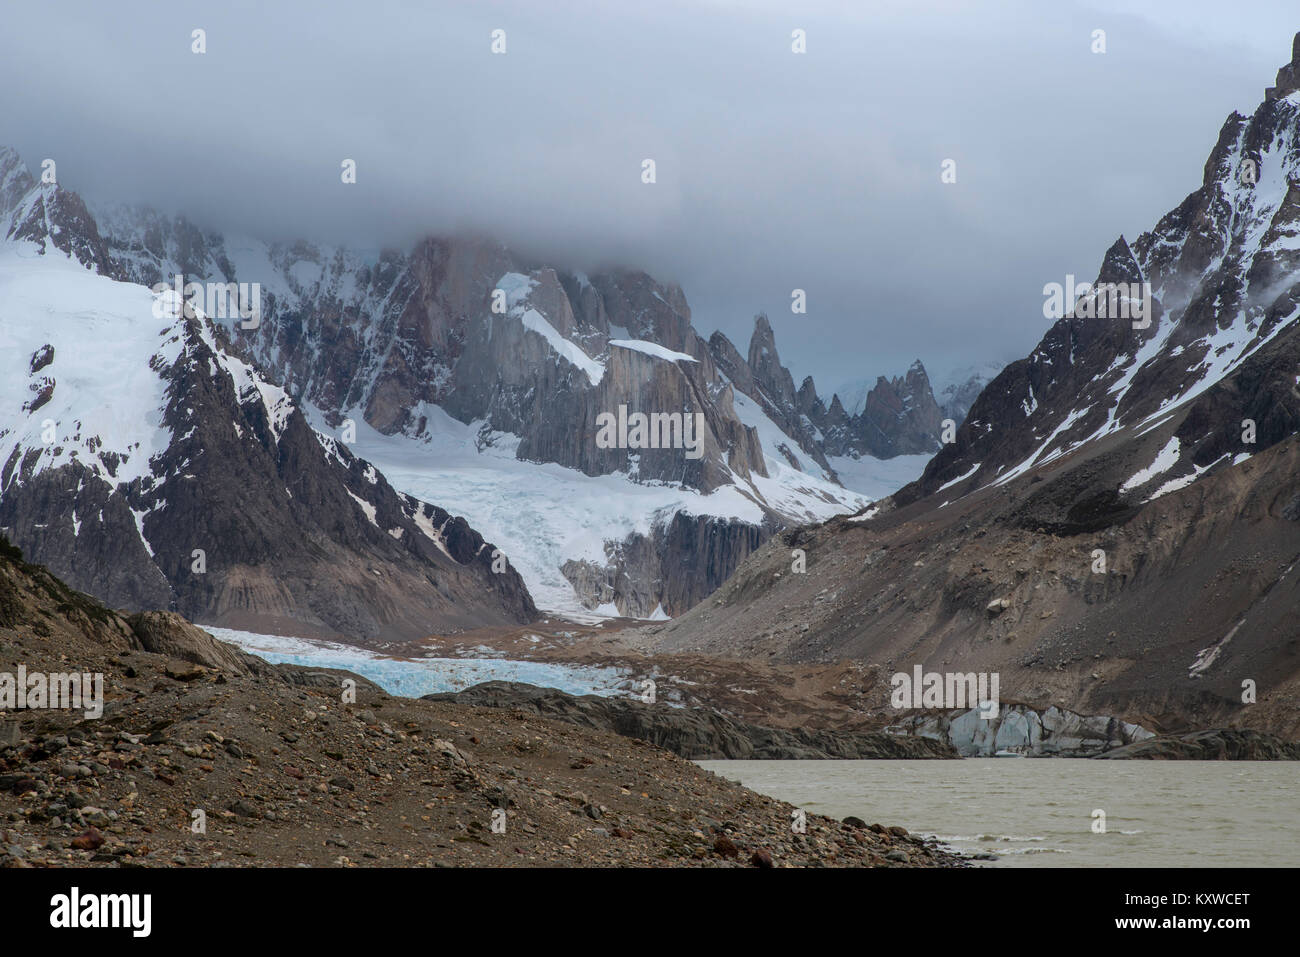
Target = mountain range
(1116,526)
(472,377)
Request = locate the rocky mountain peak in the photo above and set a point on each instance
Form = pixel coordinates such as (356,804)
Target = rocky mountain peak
(772,377)
(15,180)
(47,215)
(1288,77)
(1224,303)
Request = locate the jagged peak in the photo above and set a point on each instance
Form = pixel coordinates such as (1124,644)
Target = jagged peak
(1119,264)
(1288,77)
(9,159)
(762,344)
(15,181)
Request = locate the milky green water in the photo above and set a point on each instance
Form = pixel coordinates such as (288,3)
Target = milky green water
(1039,812)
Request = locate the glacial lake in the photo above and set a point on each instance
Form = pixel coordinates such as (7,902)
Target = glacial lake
(1038,812)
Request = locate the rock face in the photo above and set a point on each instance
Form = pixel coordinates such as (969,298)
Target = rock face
(1112,532)
(1221,271)
(1222,744)
(537,357)
(1022,730)
(465,325)
(694,733)
(156,468)
(669,571)
(768,384)
(167,633)
(897,416)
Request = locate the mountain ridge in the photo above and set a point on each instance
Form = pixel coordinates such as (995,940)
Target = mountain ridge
(1114,528)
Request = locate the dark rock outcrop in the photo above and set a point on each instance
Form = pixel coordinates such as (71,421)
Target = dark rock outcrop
(167,633)
(899,416)
(681,562)
(695,733)
(1220,744)
(1221,270)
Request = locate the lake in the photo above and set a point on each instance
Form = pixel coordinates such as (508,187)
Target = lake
(1039,812)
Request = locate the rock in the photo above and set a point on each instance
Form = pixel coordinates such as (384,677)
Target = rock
(178,671)
(997,606)
(857,822)
(1221,744)
(694,733)
(91,839)
(761,858)
(167,633)
(898,855)
(725,847)
(899,416)
(245,809)
(21,783)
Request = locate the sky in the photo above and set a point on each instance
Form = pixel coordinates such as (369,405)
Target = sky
(774,170)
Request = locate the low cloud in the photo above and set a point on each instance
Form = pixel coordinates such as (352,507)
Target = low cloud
(775,171)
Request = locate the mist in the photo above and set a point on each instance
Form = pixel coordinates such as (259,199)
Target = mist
(775,170)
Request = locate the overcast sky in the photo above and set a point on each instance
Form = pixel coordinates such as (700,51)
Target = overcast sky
(775,171)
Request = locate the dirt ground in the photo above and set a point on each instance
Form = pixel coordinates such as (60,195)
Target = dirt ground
(283,771)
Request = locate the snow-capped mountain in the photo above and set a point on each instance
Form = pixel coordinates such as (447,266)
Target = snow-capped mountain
(142,459)
(1222,271)
(963,387)
(460,351)
(1116,529)
(897,416)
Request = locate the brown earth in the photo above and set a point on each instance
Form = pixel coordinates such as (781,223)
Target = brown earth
(1199,594)
(832,696)
(287,774)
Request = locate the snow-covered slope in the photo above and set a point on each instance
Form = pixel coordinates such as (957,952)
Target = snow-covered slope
(478,378)
(146,462)
(544,515)
(1213,363)
(469,376)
